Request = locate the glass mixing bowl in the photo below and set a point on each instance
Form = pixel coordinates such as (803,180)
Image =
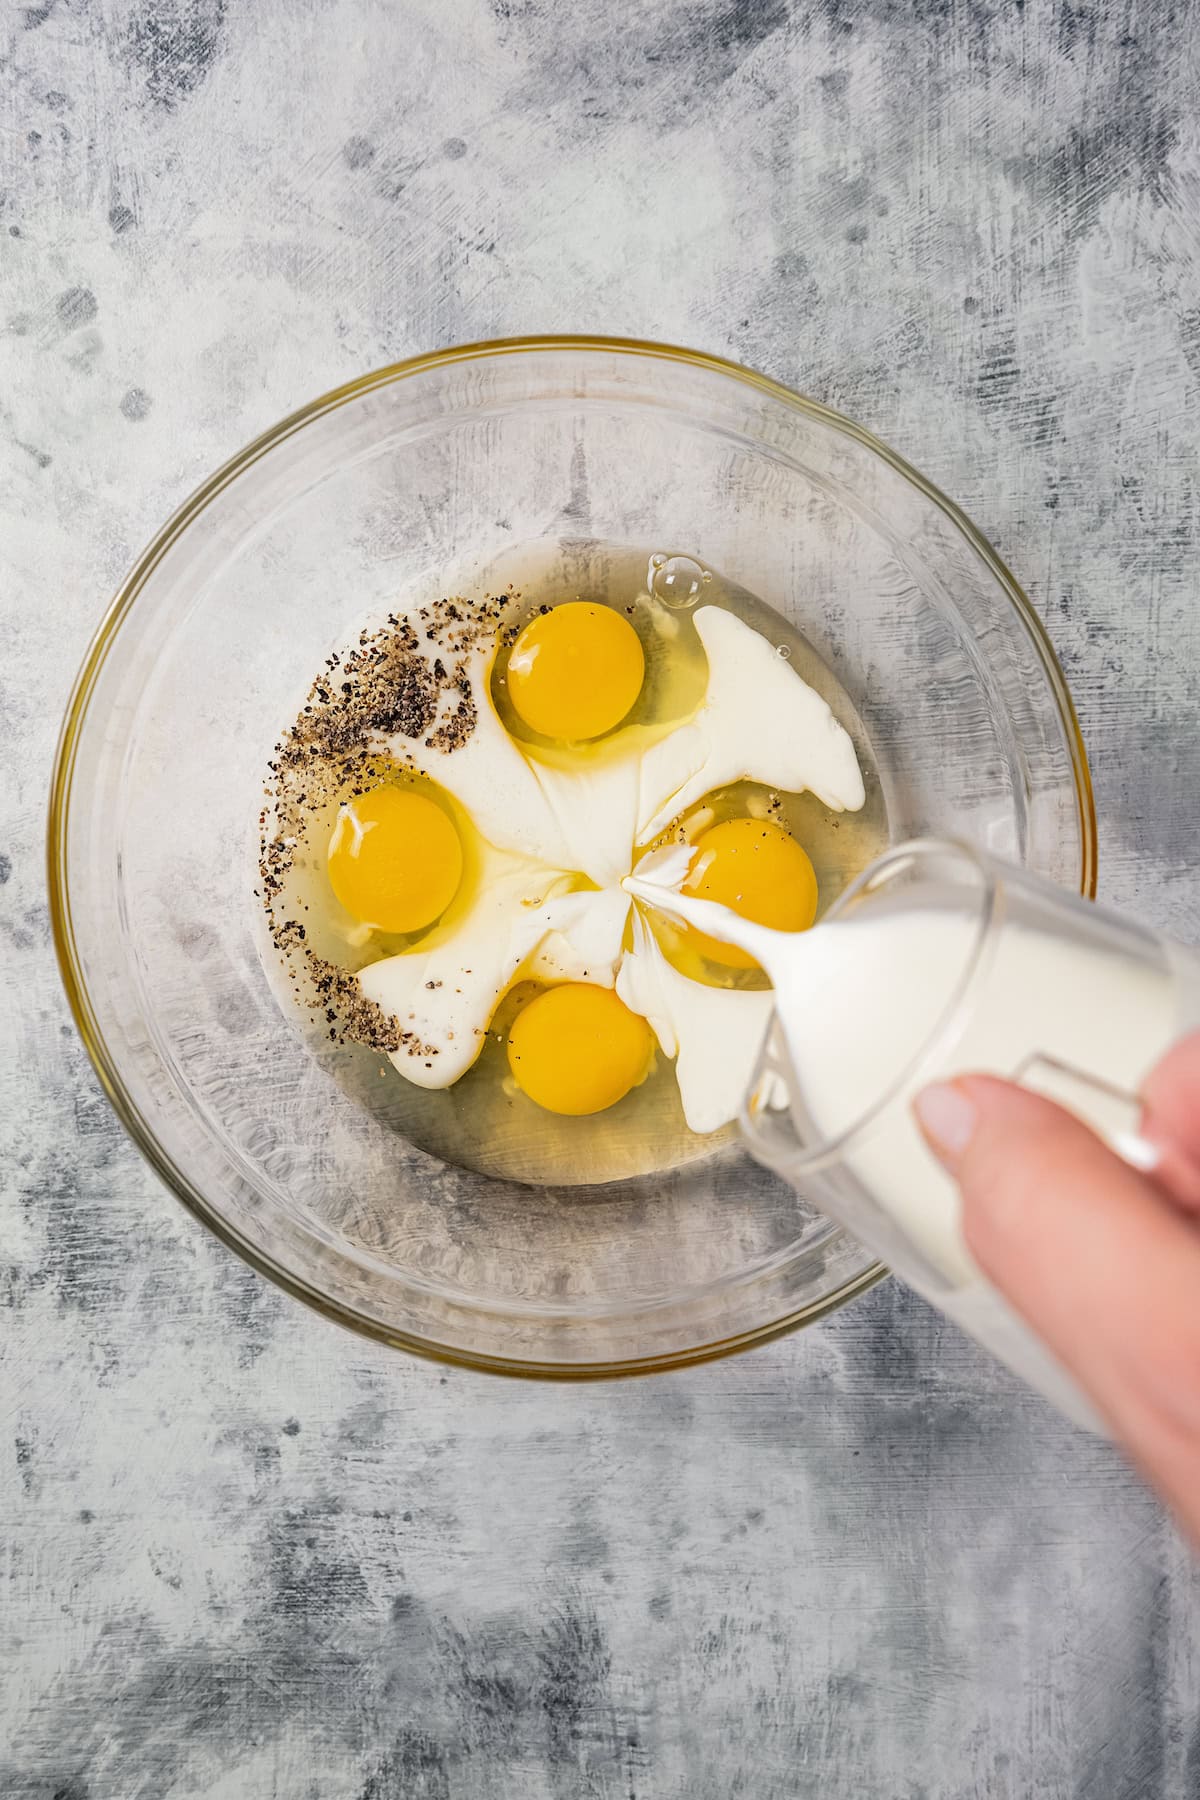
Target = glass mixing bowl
(402,475)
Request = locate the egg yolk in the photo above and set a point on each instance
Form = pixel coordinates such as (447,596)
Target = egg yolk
(575,671)
(756,869)
(578,1049)
(395,860)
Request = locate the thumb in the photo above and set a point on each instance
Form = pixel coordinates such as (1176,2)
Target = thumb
(1096,1258)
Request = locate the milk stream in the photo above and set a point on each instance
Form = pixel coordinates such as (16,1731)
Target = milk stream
(860,1000)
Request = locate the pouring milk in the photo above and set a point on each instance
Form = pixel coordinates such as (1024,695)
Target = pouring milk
(939,962)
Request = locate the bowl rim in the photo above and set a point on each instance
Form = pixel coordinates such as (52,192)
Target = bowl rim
(105,636)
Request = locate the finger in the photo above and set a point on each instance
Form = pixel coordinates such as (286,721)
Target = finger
(1105,1269)
(1172,1121)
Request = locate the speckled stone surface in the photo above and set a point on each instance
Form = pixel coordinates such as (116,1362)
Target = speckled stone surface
(243,1555)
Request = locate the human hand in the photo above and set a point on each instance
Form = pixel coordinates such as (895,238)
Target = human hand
(1102,1259)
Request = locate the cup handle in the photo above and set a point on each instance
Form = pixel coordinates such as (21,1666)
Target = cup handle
(1112,1111)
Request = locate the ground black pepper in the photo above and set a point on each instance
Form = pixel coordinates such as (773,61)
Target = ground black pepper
(389,686)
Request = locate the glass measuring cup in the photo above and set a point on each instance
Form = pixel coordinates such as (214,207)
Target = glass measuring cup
(949,961)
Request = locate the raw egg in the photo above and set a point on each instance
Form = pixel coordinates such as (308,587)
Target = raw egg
(578,1049)
(395,860)
(575,671)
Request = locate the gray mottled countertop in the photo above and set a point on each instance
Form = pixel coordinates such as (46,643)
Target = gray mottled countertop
(243,1555)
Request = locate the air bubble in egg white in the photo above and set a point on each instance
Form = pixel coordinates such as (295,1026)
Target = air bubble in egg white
(676,581)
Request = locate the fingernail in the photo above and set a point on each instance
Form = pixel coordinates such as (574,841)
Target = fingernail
(947,1118)
(1137,1151)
